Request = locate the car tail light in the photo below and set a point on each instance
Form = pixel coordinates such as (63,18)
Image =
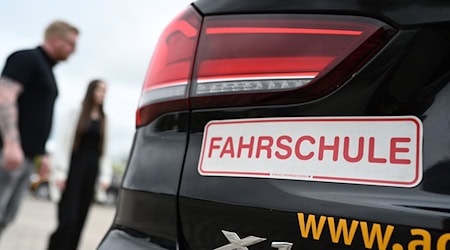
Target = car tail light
(276,59)
(259,59)
(166,83)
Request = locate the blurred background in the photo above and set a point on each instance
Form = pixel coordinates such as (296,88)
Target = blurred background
(116,43)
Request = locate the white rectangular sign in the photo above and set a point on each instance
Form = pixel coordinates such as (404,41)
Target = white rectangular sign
(383,151)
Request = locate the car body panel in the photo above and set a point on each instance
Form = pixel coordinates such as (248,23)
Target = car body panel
(401,13)
(166,199)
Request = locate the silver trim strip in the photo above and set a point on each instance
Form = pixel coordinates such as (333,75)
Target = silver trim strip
(163,94)
(253,79)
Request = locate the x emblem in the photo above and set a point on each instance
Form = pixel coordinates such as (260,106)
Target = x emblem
(237,243)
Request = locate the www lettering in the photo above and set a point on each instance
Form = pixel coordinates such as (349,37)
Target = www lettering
(339,230)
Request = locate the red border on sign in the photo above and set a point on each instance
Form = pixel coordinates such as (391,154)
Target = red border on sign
(314,119)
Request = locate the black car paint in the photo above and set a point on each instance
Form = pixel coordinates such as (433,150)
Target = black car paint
(409,77)
(360,97)
(399,13)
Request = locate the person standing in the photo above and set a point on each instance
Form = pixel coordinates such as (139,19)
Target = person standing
(83,146)
(28,91)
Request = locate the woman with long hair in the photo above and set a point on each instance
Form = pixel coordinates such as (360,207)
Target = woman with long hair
(87,143)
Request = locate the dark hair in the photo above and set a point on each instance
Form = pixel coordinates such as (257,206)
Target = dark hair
(83,121)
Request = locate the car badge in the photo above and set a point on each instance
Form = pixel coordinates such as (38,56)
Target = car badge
(236,243)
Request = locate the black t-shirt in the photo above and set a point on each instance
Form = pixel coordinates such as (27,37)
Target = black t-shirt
(33,69)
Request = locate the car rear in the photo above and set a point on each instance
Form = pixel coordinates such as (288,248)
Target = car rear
(293,125)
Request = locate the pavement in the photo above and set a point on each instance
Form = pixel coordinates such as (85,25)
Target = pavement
(37,220)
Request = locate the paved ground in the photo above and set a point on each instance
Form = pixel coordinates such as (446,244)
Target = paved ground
(37,220)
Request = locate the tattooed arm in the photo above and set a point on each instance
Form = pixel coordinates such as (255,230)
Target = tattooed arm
(12,150)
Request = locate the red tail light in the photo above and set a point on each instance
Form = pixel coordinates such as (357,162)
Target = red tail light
(276,59)
(271,59)
(166,83)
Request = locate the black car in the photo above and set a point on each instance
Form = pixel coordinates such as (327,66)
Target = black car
(293,124)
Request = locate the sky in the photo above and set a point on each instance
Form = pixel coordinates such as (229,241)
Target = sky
(116,42)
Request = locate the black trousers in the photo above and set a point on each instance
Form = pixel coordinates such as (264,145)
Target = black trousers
(75,202)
